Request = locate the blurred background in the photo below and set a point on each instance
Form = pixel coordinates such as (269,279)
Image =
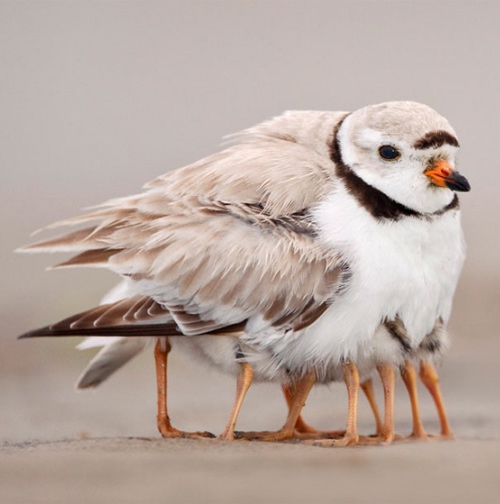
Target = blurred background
(98,98)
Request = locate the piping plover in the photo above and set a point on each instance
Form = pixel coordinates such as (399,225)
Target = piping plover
(330,241)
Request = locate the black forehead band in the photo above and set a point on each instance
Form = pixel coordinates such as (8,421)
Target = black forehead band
(435,139)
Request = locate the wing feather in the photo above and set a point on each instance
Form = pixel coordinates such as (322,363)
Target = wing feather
(93,257)
(227,238)
(109,321)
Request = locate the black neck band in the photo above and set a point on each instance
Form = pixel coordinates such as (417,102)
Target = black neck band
(374,201)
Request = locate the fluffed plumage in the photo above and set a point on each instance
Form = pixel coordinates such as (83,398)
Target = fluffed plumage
(307,239)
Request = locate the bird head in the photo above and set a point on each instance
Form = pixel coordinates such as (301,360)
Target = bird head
(405,150)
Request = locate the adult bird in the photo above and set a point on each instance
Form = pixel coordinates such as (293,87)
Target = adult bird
(330,242)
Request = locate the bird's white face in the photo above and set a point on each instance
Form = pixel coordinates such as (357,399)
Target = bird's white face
(405,150)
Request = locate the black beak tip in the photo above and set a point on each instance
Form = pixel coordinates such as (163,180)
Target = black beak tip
(458,182)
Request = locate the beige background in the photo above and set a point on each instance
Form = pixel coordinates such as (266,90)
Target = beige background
(97,98)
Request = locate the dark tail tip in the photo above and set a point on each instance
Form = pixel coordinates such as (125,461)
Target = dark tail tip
(37,333)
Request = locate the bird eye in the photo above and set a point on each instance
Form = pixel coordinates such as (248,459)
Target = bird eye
(389,152)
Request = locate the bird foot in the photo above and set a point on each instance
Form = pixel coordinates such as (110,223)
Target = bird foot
(446,436)
(198,435)
(230,435)
(302,428)
(380,439)
(345,440)
(423,436)
(171,433)
(318,434)
(417,436)
(266,436)
(441,437)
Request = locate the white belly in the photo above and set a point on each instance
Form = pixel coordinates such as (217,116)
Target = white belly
(407,268)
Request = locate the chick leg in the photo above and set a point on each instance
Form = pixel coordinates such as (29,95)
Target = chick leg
(387,432)
(300,426)
(162,349)
(409,376)
(367,387)
(430,379)
(350,438)
(242,385)
(302,429)
(386,372)
(301,389)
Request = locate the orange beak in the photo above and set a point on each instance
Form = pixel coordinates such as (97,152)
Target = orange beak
(443,175)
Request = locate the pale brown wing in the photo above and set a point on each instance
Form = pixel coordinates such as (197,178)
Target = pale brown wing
(224,239)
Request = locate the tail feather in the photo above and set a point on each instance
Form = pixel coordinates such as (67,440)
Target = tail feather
(135,316)
(111,358)
(149,319)
(113,319)
(127,330)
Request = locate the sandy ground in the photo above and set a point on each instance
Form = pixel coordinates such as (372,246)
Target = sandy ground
(102,446)
(151,470)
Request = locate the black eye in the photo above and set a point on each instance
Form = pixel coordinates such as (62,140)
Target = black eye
(389,152)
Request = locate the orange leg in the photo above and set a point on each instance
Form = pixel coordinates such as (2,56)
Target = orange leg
(388,378)
(430,379)
(409,376)
(350,438)
(300,391)
(387,432)
(302,429)
(242,385)
(162,349)
(367,387)
(300,426)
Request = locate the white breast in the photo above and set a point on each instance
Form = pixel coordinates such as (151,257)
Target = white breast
(407,268)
